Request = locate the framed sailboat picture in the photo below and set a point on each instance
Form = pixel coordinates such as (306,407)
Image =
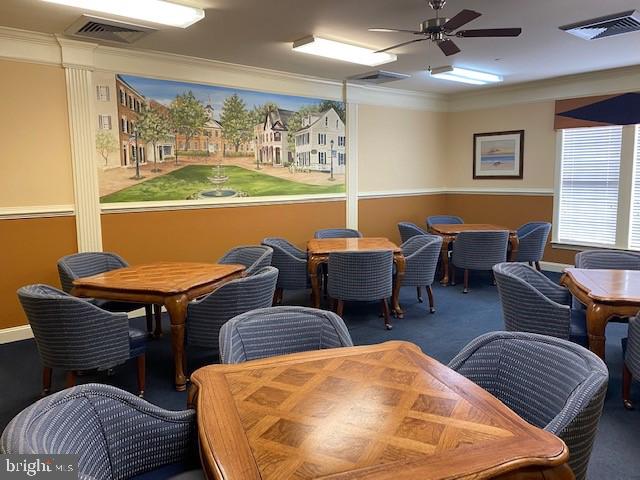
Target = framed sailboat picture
(498,155)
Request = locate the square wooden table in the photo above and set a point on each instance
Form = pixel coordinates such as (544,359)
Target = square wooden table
(172,284)
(375,412)
(319,250)
(449,231)
(606,294)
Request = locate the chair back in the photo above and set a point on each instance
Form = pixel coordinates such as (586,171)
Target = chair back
(631,347)
(408,230)
(85,264)
(525,307)
(480,250)
(337,233)
(274,331)
(443,219)
(291,263)
(551,383)
(206,315)
(71,333)
(421,254)
(253,257)
(532,238)
(114,433)
(608,259)
(360,276)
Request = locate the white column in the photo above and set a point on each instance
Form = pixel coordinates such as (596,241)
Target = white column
(351,177)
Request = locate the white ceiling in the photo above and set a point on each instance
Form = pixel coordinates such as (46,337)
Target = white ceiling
(259,33)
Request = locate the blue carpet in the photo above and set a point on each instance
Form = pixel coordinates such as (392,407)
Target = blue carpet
(459,318)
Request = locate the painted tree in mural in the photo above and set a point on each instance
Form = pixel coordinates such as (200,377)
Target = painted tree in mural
(153,127)
(106,144)
(337,106)
(187,118)
(236,121)
(295,123)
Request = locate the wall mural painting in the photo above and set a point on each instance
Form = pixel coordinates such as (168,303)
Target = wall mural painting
(159,140)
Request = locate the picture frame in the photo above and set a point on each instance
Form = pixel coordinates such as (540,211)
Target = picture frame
(498,155)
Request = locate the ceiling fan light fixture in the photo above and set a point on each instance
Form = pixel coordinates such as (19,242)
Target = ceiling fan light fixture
(464,75)
(345,52)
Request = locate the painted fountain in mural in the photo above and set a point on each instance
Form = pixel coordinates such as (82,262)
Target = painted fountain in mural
(219,180)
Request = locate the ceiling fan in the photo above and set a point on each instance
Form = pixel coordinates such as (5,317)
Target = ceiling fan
(437,29)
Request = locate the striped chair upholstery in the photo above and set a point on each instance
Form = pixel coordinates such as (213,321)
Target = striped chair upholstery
(267,332)
(421,254)
(361,276)
(337,233)
(532,238)
(479,250)
(74,335)
(443,219)
(531,302)
(551,383)
(631,348)
(206,315)
(291,263)
(116,435)
(253,257)
(408,230)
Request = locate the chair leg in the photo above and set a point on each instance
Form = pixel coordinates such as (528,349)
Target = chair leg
(71,379)
(452,275)
(538,266)
(419,290)
(149,315)
(493,279)
(466,281)
(385,314)
(277,296)
(432,306)
(46,380)
(530,264)
(157,309)
(340,307)
(141,364)
(626,388)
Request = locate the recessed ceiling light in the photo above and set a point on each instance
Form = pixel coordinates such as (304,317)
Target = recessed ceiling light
(156,11)
(342,51)
(464,75)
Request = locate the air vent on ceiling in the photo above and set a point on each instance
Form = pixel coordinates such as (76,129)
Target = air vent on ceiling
(378,76)
(108,30)
(608,26)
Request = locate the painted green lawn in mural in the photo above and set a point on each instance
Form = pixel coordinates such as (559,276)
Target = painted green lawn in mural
(188,181)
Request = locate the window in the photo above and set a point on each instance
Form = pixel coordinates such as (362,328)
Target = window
(104,122)
(322,139)
(123,125)
(322,158)
(341,141)
(341,158)
(326,121)
(123,97)
(103,93)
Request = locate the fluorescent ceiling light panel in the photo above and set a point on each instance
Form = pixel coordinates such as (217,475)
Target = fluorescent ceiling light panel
(342,51)
(156,11)
(464,75)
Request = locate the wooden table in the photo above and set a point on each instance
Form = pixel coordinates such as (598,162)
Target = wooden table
(606,294)
(448,232)
(319,249)
(376,412)
(172,284)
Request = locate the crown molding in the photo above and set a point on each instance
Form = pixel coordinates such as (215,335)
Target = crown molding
(385,96)
(27,46)
(77,54)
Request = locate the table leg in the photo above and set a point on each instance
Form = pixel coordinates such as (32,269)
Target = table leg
(395,298)
(513,240)
(597,317)
(312,265)
(446,241)
(177,308)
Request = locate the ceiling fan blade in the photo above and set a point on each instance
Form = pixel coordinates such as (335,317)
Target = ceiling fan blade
(448,47)
(490,32)
(462,18)
(392,30)
(402,44)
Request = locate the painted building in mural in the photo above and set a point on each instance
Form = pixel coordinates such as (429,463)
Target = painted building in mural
(272,146)
(130,103)
(320,143)
(106,119)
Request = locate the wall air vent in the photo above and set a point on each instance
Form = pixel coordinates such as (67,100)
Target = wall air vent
(377,77)
(608,26)
(107,30)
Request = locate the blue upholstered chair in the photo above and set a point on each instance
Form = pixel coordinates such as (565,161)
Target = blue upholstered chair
(253,257)
(478,250)
(408,230)
(443,219)
(206,315)
(361,276)
(421,254)
(291,263)
(86,264)
(631,349)
(553,384)
(337,233)
(532,303)
(115,434)
(532,238)
(74,335)
(268,332)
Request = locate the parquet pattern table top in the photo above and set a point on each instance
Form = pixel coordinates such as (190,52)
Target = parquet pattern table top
(455,228)
(607,285)
(382,411)
(164,277)
(323,246)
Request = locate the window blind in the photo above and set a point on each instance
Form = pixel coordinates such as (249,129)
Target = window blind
(589,184)
(634,228)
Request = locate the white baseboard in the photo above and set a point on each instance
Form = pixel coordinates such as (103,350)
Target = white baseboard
(15,334)
(554,267)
